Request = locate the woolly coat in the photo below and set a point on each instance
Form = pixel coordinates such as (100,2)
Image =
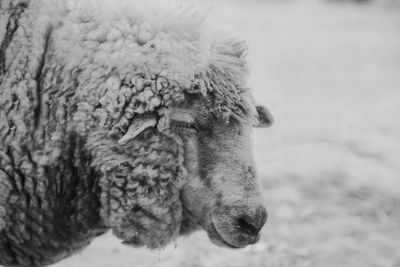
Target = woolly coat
(73,76)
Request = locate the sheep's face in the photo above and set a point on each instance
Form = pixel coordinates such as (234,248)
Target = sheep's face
(218,191)
(222,194)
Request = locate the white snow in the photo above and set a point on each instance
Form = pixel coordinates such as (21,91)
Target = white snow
(329,71)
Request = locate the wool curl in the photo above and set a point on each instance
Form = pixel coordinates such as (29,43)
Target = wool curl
(140,184)
(89,70)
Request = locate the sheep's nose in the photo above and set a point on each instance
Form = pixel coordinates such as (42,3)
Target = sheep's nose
(237,226)
(252,220)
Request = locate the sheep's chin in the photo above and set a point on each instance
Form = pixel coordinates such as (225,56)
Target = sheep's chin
(189,225)
(216,237)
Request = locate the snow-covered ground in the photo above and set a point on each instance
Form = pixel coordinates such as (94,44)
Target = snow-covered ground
(330,166)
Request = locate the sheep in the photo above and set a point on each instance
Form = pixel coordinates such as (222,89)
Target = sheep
(132,116)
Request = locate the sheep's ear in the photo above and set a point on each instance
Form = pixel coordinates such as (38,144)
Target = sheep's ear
(138,125)
(240,48)
(265,118)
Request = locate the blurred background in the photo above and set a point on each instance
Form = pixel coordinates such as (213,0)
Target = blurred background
(329,71)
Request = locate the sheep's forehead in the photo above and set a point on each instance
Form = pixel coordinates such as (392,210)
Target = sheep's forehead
(208,109)
(153,93)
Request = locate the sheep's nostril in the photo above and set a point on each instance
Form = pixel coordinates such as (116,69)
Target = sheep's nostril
(246,226)
(252,224)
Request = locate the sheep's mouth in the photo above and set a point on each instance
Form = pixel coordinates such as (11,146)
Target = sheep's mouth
(217,239)
(211,230)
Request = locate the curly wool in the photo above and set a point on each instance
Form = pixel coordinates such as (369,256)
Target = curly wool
(140,186)
(74,76)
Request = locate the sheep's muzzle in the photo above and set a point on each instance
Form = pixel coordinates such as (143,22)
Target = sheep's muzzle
(237,226)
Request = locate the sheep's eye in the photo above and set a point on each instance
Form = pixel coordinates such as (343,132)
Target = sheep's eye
(182,126)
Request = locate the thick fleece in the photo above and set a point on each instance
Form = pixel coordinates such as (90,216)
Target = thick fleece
(74,76)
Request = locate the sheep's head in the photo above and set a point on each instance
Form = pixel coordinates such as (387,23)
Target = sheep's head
(196,169)
(221,193)
(174,151)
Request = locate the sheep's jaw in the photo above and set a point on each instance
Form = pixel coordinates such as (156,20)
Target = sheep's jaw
(216,238)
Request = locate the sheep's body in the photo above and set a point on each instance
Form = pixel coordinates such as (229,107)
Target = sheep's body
(48,208)
(72,79)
